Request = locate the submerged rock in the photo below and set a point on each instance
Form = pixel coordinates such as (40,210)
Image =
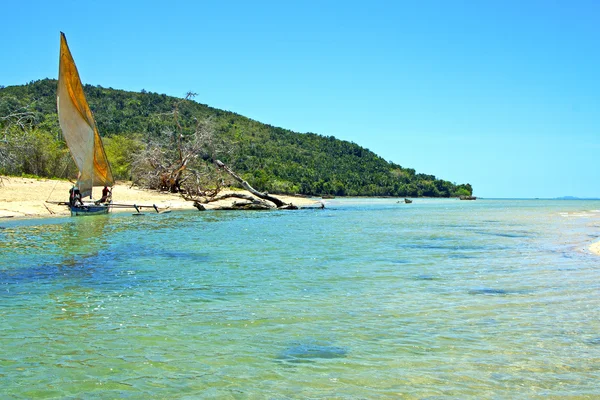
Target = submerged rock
(488,291)
(310,352)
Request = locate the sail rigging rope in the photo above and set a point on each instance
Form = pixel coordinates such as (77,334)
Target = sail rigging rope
(56,183)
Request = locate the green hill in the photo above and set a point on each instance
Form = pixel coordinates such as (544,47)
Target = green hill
(272,159)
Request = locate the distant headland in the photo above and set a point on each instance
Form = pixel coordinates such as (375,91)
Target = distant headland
(272,159)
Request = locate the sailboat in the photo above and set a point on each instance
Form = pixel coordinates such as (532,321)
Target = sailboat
(81,134)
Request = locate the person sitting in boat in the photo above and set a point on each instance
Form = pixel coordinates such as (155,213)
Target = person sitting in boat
(75,197)
(106,195)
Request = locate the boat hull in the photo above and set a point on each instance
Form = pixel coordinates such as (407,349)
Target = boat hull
(88,209)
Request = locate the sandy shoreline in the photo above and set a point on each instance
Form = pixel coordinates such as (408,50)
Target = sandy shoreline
(595,248)
(27,198)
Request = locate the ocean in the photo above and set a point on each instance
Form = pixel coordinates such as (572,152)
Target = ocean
(366,299)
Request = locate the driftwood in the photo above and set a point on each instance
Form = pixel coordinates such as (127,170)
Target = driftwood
(246,205)
(250,203)
(228,196)
(49,210)
(265,196)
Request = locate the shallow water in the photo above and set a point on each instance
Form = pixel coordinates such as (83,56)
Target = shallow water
(365,299)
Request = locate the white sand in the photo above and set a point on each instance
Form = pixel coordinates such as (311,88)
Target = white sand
(595,248)
(27,197)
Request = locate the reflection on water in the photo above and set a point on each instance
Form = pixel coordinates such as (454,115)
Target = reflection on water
(66,249)
(365,299)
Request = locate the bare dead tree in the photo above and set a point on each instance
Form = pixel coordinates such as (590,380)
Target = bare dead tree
(183,162)
(190,166)
(12,143)
(21,118)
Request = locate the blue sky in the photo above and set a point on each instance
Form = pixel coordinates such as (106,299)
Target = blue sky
(504,95)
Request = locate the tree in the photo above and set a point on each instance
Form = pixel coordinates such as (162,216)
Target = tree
(187,163)
(15,124)
(181,161)
(288,162)
(121,152)
(463,190)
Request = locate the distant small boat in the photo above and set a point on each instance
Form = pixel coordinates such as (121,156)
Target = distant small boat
(407,201)
(468,198)
(81,134)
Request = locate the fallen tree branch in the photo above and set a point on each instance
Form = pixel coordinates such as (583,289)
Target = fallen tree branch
(227,196)
(250,203)
(246,185)
(246,205)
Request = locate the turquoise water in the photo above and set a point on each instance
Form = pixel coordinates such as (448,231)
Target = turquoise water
(366,299)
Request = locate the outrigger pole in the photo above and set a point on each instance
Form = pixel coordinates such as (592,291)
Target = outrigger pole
(136,206)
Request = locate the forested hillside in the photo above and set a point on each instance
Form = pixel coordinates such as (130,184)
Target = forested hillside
(270,158)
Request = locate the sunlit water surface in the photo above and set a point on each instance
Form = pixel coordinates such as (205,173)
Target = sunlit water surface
(368,299)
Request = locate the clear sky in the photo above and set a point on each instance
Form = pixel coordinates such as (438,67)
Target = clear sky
(501,94)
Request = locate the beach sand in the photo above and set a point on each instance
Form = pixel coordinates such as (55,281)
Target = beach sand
(27,198)
(595,248)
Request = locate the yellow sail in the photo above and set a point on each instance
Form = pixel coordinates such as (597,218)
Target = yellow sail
(78,126)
